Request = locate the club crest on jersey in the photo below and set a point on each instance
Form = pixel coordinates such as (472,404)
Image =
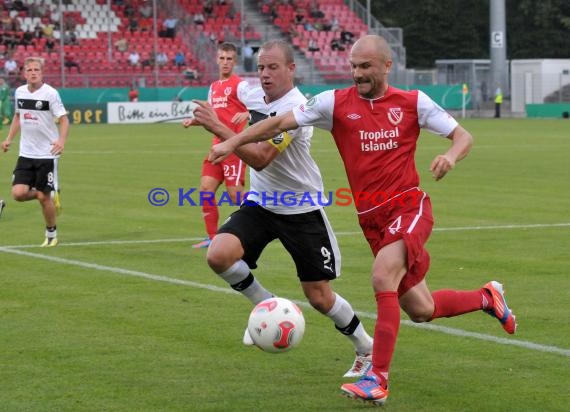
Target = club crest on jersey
(228,91)
(395,115)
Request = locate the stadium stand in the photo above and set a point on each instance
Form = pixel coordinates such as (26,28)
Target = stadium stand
(321,21)
(99,38)
(96,27)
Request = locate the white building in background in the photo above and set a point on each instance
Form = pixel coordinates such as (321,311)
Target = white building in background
(539,81)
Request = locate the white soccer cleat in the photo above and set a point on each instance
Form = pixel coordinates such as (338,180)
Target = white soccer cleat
(247,341)
(362,364)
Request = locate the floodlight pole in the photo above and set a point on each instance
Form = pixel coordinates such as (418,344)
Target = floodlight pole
(109,35)
(498,46)
(61,44)
(155,41)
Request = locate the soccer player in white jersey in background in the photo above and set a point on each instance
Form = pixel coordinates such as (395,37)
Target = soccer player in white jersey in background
(41,144)
(376,127)
(281,165)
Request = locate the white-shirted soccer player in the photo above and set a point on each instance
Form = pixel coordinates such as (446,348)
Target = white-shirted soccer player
(38,105)
(376,127)
(283,165)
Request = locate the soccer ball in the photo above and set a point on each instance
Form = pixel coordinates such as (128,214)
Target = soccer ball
(276,325)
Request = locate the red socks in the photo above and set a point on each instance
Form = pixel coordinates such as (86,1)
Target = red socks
(211,216)
(449,303)
(385,333)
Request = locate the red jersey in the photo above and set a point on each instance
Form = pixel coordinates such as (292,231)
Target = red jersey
(227,97)
(376,138)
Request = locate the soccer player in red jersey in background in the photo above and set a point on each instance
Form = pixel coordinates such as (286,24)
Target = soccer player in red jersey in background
(226,97)
(376,128)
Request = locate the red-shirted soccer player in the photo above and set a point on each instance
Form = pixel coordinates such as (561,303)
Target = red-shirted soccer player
(376,128)
(226,96)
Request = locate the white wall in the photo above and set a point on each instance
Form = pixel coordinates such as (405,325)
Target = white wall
(534,79)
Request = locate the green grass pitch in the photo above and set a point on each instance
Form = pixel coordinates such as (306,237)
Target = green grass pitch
(125,316)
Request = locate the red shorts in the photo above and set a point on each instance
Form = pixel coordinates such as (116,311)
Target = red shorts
(412,222)
(231,170)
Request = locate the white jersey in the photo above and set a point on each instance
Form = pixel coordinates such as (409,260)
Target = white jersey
(37,111)
(291,183)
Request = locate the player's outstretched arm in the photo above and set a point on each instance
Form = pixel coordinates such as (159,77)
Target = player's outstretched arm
(258,132)
(204,115)
(462,142)
(256,156)
(240,117)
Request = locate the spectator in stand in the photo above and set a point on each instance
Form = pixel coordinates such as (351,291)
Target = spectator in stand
(145,9)
(199,18)
(38,31)
(335,25)
(318,25)
(313,46)
(149,61)
(169,26)
(69,62)
(70,38)
(69,23)
(50,44)
(309,26)
(315,12)
(122,44)
(18,5)
(28,38)
(208,8)
(336,45)
(10,66)
(299,15)
(42,9)
(7,23)
(129,10)
(161,58)
(247,53)
(54,16)
(48,30)
(179,59)
(10,40)
(346,37)
(134,58)
(133,24)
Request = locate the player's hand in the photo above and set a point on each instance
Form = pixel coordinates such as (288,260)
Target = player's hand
(56,148)
(240,117)
(190,122)
(220,151)
(5,146)
(440,166)
(205,115)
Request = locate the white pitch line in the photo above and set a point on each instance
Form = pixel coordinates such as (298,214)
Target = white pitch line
(468,228)
(193,239)
(112,242)
(213,288)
